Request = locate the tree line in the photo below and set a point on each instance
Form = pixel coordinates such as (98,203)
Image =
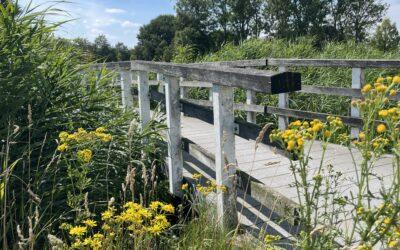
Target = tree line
(205,25)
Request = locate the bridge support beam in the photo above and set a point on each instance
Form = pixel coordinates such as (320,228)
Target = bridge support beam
(144,98)
(160,80)
(250,99)
(127,98)
(225,161)
(175,159)
(283,102)
(357,82)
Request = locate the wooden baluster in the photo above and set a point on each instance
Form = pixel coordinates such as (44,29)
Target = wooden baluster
(225,162)
(283,102)
(160,80)
(127,98)
(175,159)
(250,99)
(144,99)
(357,82)
(210,94)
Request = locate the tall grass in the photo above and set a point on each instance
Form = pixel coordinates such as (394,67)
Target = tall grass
(42,93)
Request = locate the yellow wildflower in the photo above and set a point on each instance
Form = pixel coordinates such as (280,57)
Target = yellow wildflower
(361,135)
(392,92)
(396,79)
(327,133)
(106,227)
(366,88)
(381,88)
(90,223)
(300,142)
(383,113)
(380,80)
(106,215)
(185,186)
(85,155)
(63,136)
(154,205)
(168,208)
(387,221)
(62,147)
(389,79)
(291,145)
(360,210)
(100,130)
(71,137)
(78,230)
(381,128)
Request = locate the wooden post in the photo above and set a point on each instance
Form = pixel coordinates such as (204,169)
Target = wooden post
(127,98)
(250,99)
(160,80)
(357,82)
(225,162)
(283,102)
(210,94)
(144,99)
(175,160)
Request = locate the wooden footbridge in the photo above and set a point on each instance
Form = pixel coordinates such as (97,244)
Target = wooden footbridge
(204,136)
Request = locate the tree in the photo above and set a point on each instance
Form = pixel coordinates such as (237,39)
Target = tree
(102,49)
(325,19)
(122,52)
(357,17)
(244,13)
(195,22)
(386,37)
(155,39)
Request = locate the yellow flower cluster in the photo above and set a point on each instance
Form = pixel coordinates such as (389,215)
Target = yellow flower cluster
(210,187)
(85,155)
(80,136)
(134,219)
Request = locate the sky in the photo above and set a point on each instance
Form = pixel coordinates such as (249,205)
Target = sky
(120,20)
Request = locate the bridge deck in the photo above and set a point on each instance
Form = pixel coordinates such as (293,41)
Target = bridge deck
(272,168)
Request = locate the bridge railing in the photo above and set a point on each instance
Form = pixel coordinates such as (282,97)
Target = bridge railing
(222,80)
(283,111)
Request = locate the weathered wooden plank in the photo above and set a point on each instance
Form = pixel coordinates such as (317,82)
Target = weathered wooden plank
(175,160)
(357,82)
(237,63)
(283,102)
(127,98)
(225,162)
(336,91)
(144,98)
(257,80)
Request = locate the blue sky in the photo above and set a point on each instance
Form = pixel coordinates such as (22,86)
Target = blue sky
(120,20)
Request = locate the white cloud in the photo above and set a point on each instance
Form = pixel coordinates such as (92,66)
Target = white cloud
(115,11)
(129,24)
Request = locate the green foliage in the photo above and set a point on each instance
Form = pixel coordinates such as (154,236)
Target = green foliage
(155,39)
(387,36)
